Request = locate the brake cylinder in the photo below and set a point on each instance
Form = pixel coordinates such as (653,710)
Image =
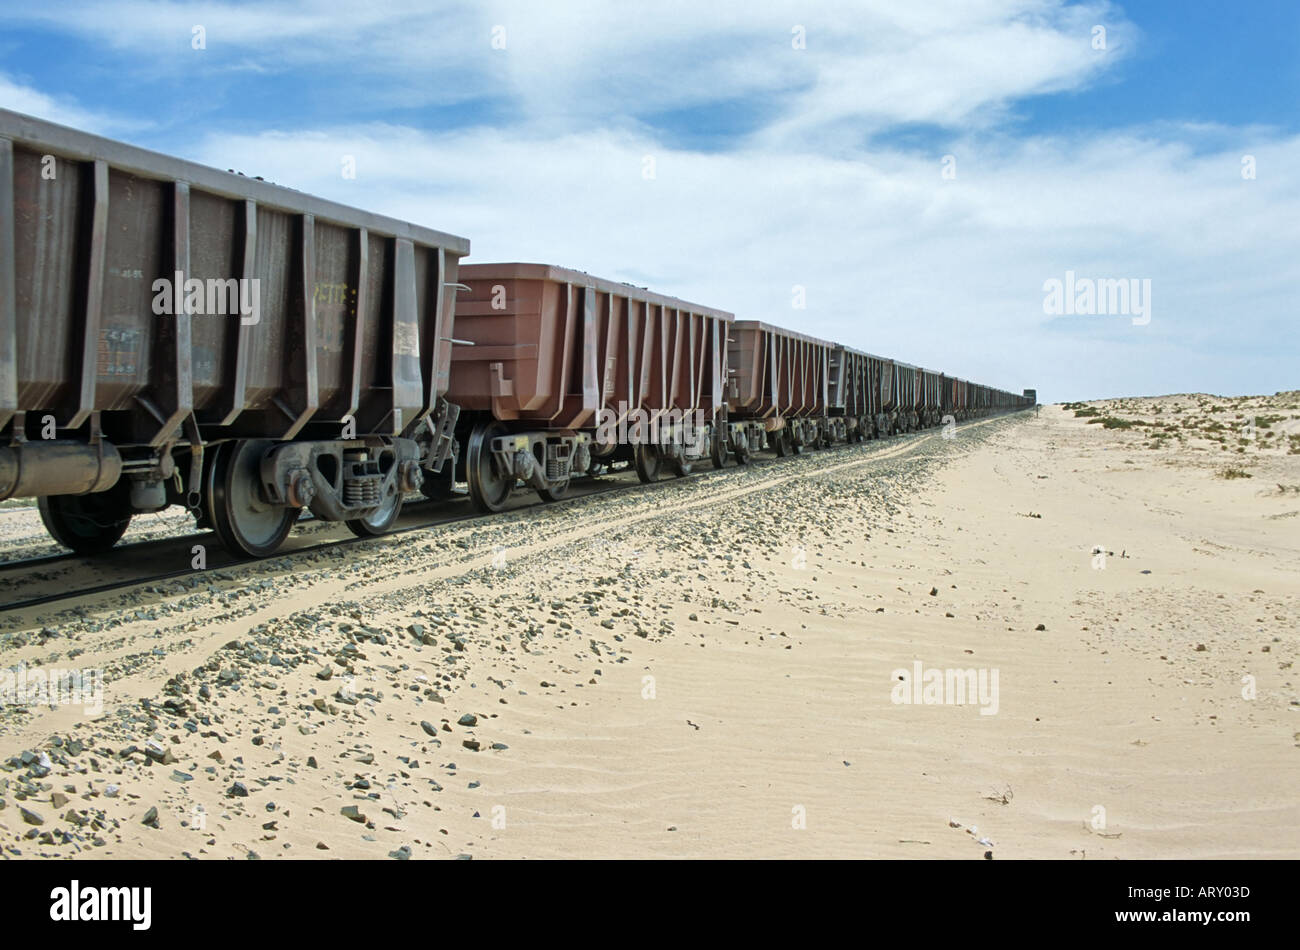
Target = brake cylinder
(61,467)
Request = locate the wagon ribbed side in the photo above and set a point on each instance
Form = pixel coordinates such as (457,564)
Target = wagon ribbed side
(155,311)
(931,397)
(779,384)
(904,402)
(559,371)
(855,396)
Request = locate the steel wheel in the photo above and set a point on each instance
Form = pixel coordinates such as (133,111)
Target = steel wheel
(245,524)
(555,492)
(680,466)
(742,454)
(489,489)
(648,462)
(781,442)
(720,453)
(88,524)
(379,522)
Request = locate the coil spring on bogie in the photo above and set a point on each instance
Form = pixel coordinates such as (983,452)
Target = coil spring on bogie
(362,492)
(558,467)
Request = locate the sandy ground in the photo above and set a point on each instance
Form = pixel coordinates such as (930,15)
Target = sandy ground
(710,669)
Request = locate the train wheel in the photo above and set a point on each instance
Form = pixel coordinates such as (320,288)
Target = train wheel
(88,524)
(555,492)
(380,521)
(203,517)
(781,442)
(680,466)
(719,451)
(437,486)
(245,524)
(742,454)
(489,489)
(648,463)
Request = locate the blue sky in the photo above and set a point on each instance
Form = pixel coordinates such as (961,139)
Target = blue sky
(775,164)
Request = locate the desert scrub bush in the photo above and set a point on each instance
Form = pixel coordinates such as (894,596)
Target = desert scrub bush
(1112,422)
(1086,411)
(1231,473)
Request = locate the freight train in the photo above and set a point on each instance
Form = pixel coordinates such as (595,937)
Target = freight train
(171,334)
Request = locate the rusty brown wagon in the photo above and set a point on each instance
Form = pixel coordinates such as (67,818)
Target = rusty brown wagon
(170,333)
(559,373)
(778,388)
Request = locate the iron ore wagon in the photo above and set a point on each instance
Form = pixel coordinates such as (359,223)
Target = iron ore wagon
(559,374)
(170,334)
(778,389)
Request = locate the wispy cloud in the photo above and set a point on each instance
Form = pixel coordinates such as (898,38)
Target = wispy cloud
(61,109)
(568,65)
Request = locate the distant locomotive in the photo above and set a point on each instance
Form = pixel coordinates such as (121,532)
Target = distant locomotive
(173,334)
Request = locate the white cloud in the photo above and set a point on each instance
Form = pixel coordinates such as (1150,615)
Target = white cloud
(21,98)
(566,64)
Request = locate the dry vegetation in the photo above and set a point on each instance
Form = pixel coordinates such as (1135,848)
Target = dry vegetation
(1244,429)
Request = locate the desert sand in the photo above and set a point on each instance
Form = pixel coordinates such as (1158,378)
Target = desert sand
(709,669)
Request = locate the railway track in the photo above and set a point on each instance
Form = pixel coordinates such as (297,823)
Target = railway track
(144,553)
(141,568)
